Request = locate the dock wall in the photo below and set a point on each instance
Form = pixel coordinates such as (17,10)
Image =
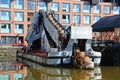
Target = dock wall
(7,53)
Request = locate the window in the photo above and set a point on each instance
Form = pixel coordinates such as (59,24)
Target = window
(42,6)
(5,15)
(116,10)
(18,76)
(106,9)
(5,3)
(96,18)
(56,16)
(76,7)
(65,18)
(66,7)
(8,40)
(19,28)
(76,19)
(86,8)
(86,20)
(19,16)
(30,16)
(55,6)
(96,9)
(5,28)
(18,4)
(31,5)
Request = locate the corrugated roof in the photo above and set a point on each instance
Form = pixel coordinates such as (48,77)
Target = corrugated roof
(107,23)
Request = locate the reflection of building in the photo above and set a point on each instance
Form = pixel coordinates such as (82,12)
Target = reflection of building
(8,71)
(55,73)
(15,15)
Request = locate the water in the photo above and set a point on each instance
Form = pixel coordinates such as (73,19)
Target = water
(10,71)
(38,72)
(50,73)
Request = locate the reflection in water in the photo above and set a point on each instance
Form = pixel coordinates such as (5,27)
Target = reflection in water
(11,71)
(4,66)
(48,73)
(38,72)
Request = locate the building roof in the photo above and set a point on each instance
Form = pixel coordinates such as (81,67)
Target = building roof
(107,23)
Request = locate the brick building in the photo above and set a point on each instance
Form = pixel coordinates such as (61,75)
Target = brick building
(16,15)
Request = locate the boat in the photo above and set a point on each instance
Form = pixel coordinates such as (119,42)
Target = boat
(52,44)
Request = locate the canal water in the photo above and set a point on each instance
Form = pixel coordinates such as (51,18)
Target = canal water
(50,73)
(38,72)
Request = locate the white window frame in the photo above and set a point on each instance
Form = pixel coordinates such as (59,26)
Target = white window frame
(86,19)
(107,9)
(96,19)
(76,19)
(31,5)
(87,8)
(17,5)
(75,9)
(66,8)
(96,10)
(6,29)
(67,20)
(17,28)
(19,16)
(42,6)
(5,5)
(55,6)
(116,10)
(5,16)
